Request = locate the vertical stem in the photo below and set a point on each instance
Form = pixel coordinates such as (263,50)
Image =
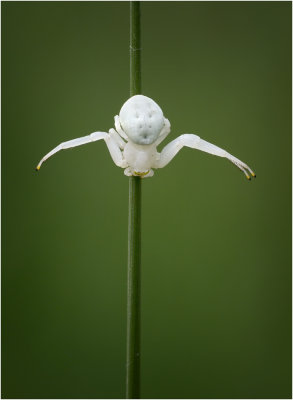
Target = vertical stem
(134,229)
(133,291)
(135,49)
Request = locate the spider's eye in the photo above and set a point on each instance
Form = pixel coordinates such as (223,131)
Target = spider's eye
(141,119)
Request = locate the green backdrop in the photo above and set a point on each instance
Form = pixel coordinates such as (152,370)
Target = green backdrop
(216,248)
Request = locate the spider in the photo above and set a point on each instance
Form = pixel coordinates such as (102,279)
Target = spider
(140,128)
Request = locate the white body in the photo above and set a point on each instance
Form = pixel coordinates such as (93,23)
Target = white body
(140,128)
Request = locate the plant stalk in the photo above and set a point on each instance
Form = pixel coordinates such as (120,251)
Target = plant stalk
(134,229)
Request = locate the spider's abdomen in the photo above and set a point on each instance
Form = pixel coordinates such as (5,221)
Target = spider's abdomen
(141,119)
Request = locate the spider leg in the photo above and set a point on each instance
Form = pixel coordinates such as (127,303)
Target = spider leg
(115,152)
(119,129)
(164,132)
(195,142)
(117,138)
(113,147)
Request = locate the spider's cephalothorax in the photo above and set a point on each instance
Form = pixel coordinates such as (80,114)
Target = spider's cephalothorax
(139,129)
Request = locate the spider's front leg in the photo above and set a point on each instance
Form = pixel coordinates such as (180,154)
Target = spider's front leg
(110,139)
(195,142)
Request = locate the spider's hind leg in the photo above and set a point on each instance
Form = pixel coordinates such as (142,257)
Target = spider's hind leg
(119,129)
(117,138)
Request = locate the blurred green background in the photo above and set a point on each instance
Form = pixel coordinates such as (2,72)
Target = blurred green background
(216,249)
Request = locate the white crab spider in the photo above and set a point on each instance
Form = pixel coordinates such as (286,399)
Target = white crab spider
(140,128)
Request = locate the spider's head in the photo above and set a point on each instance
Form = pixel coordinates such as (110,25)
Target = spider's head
(141,119)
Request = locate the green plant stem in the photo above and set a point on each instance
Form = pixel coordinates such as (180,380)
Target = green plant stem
(135,49)
(133,291)
(134,229)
